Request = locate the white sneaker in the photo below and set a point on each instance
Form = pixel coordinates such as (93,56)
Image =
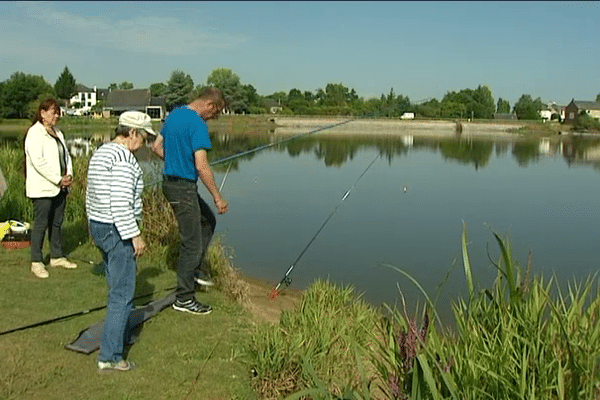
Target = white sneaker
(62,262)
(39,270)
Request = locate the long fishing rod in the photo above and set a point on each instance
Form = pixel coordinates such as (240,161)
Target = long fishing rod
(75,314)
(286,278)
(266,146)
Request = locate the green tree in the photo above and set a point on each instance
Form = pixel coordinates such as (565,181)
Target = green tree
(113,86)
(503,106)
(527,108)
(336,94)
(231,87)
(20,90)
(179,89)
(125,85)
(484,106)
(158,89)
(65,85)
(598,98)
(251,97)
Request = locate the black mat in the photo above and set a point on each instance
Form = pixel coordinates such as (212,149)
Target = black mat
(88,340)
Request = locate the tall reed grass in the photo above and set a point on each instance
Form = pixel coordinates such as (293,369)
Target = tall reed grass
(313,343)
(524,338)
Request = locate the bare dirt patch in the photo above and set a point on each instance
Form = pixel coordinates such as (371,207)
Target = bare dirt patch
(264,309)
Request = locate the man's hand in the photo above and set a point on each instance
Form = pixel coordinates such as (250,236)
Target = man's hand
(222,205)
(138,246)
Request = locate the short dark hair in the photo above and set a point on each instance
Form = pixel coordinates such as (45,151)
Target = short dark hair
(213,94)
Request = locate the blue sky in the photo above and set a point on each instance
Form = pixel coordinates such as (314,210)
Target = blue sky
(421,49)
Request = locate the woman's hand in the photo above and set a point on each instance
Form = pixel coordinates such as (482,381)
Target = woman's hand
(66,181)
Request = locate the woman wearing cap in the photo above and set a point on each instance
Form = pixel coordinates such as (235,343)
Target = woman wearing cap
(114,209)
(48,177)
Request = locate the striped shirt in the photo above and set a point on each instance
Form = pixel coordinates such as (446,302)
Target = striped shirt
(114,189)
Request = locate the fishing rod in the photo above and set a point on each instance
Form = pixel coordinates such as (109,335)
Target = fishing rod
(75,314)
(266,146)
(286,278)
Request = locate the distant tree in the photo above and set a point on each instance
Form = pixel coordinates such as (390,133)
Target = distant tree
(113,86)
(65,85)
(527,108)
(598,98)
(20,90)
(336,94)
(279,97)
(503,106)
(429,109)
(297,102)
(179,89)
(125,85)
(251,97)
(483,102)
(158,89)
(231,87)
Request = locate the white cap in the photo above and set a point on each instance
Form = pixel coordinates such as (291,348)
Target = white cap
(138,120)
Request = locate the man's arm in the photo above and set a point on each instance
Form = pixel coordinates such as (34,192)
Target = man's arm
(158,146)
(208,178)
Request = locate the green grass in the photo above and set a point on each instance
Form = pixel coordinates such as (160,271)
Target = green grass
(173,350)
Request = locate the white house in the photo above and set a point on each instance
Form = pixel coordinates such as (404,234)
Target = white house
(87,98)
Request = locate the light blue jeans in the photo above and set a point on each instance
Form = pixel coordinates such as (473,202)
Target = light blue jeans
(119,269)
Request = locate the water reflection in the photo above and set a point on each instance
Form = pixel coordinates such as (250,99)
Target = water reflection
(336,150)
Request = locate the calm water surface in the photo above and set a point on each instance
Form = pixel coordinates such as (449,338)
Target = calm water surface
(408,211)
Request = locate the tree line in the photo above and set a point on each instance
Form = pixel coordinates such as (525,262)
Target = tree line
(21,94)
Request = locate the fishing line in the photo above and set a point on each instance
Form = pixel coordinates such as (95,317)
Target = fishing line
(266,146)
(75,314)
(286,278)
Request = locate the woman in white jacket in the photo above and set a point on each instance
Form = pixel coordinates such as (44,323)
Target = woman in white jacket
(48,177)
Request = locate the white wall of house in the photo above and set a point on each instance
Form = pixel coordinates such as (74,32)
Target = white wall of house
(594,113)
(86,99)
(545,114)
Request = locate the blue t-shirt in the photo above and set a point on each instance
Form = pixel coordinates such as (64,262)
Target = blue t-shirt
(184,133)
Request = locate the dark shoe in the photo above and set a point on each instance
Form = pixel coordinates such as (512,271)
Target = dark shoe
(107,366)
(202,278)
(192,306)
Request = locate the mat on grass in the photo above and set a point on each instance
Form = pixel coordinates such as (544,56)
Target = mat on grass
(88,340)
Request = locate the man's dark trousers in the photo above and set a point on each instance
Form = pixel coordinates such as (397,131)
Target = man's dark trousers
(196,226)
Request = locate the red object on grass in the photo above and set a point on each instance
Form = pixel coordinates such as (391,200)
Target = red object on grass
(12,245)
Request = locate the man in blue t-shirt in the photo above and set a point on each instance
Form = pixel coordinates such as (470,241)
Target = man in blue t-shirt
(183,143)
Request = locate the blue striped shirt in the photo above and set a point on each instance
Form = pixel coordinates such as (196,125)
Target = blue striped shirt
(114,189)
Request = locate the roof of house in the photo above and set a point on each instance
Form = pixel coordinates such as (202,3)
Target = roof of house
(102,94)
(586,105)
(158,101)
(128,99)
(81,88)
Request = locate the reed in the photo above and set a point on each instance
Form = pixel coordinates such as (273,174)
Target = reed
(313,344)
(524,338)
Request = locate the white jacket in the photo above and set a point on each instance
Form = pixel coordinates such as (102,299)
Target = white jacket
(42,162)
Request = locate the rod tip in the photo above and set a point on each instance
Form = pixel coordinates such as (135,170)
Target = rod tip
(273,293)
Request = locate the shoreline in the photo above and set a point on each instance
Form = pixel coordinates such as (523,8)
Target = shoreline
(433,128)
